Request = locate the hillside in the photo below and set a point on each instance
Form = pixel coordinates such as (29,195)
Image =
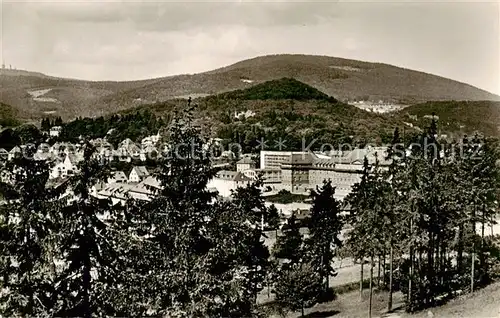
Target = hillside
(284,88)
(284,109)
(456,118)
(8,116)
(37,95)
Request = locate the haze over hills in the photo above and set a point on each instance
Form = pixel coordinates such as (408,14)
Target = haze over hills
(35,95)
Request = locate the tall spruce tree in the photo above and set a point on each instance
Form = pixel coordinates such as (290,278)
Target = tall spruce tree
(290,245)
(90,261)
(324,227)
(27,227)
(202,253)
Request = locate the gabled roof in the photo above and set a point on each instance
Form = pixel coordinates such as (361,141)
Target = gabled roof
(73,158)
(119,175)
(16,149)
(232,176)
(141,171)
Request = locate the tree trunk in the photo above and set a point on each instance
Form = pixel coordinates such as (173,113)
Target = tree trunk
(327,272)
(383,269)
(472,268)
(473,258)
(268,287)
(86,287)
(371,286)
(410,271)
(389,303)
(378,273)
(460,249)
(482,258)
(361,280)
(302,310)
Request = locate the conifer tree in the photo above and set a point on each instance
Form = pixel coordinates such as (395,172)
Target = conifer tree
(91,263)
(273,219)
(205,258)
(324,227)
(289,245)
(359,201)
(27,224)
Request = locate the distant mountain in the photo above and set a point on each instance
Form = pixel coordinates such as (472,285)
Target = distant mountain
(37,95)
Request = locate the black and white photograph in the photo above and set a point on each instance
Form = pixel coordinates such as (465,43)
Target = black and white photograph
(250,158)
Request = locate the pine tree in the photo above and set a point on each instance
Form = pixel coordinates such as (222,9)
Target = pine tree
(359,201)
(367,235)
(273,219)
(393,198)
(91,263)
(204,257)
(27,225)
(289,245)
(45,124)
(324,227)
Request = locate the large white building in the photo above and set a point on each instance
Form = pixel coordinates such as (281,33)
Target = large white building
(227,181)
(302,171)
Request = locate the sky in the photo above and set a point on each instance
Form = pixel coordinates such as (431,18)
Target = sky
(127,40)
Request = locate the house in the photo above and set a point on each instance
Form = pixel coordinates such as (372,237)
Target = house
(118,177)
(66,167)
(4,154)
(225,181)
(42,156)
(146,189)
(288,209)
(128,151)
(245,114)
(138,174)
(245,164)
(55,131)
(15,152)
(116,192)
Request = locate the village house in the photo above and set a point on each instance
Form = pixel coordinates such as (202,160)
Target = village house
(245,164)
(244,114)
(225,181)
(15,152)
(138,174)
(128,151)
(121,192)
(55,131)
(118,177)
(4,154)
(66,167)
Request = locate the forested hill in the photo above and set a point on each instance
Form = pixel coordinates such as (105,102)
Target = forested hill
(455,118)
(36,95)
(287,109)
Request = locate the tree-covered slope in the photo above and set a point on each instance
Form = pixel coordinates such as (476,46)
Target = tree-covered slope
(342,79)
(455,117)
